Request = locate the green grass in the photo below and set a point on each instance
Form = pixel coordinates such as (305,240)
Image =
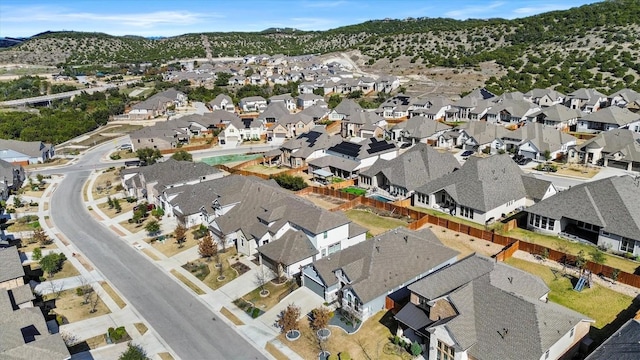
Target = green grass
(557,243)
(355,191)
(608,308)
(375,223)
(223,159)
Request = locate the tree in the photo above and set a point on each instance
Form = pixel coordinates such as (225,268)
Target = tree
(158,213)
(37,254)
(182,155)
(117,206)
(319,91)
(290,182)
(148,156)
(94,300)
(110,202)
(547,155)
(41,237)
(288,319)
(207,247)
(52,263)
(580,260)
(598,256)
(153,227)
(179,233)
(355,94)
(416,349)
(40,179)
(261,280)
(334,100)
(222,79)
(614,275)
(17,201)
(134,352)
(320,318)
(84,290)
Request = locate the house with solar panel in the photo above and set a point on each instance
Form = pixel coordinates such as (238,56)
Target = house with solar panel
(481,309)
(345,159)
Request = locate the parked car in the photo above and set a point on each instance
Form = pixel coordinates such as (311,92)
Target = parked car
(524,161)
(466,154)
(125,147)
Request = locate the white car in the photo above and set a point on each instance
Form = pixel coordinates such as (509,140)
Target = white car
(125,147)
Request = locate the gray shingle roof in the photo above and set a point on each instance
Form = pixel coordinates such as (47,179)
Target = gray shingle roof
(612,203)
(171,172)
(624,344)
(612,115)
(10,264)
(543,137)
(31,148)
(383,263)
(348,108)
(484,132)
(334,161)
(558,113)
(420,127)
(624,141)
(482,183)
(414,168)
(291,247)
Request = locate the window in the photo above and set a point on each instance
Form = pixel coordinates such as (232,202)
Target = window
(334,248)
(445,352)
(325,235)
(627,245)
(546,354)
(551,224)
(466,212)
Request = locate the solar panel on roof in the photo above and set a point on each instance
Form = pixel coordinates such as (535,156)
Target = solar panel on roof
(312,136)
(347,148)
(378,146)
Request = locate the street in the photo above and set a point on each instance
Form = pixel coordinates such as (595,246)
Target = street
(181,319)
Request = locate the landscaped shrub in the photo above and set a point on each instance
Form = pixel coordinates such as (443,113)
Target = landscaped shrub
(117,334)
(344,356)
(290,182)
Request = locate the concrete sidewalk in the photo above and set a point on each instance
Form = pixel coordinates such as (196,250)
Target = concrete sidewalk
(48,287)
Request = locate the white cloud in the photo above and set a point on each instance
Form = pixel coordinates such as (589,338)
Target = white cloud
(474,11)
(531,10)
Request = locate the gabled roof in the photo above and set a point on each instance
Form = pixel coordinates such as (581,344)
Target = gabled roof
(30,148)
(558,112)
(481,290)
(539,93)
(364,149)
(335,162)
(623,141)
(253,99)
(420,127)
(416,167)
(10,264)
(516,108)
(274,110)
(219,99)
(624,344)
(172,171)
(383,263)
(612,115)
(310,141)
(483,132)
(482,183)
(543,137)
(586,94)
(612,203)
(154,102)
(348,108)
(291,247)
(629,95)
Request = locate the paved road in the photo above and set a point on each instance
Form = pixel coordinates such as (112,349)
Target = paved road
(183,321)
(62,95)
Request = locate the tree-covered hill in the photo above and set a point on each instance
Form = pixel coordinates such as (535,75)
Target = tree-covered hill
(593,45)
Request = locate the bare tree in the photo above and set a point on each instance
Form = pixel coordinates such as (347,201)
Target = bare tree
(56,288)
(261,279)
(94,300)
(84,290)
(70,339)
(41,237)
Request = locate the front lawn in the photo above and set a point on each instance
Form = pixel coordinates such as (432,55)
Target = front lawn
(70,306)
(368,343)
(208,273)
(111,212)
(264,303)
(106,184)
(375,223)
(608,308)
(169,247)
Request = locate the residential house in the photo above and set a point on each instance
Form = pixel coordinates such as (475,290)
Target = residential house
(483,190)
(367,85)
(605,212)
(12,278)
(346,158)
(624,344)
(433,108)
(12,177)
(157,105)
(243,129)
(285,231)
(419,129)
(362,277)
(510,112)
(395,108)
(558,116)
(25,152)
(460,110)
(481,309)
(274,112)
(297,123)
(625,98)
(619,148)
(307,146)
(24,334)
(222,102)
(347,108)
(410,170)
(148,182)
(305,101)
(612,117)
(161,135)
(286,99)
(538,141)
(473,135)
(387,84)
(253,104)
(545,97)
(587,100)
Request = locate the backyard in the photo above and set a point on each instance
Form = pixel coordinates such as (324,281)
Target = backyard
(324,201)
(590,301)
(370,342)
(375,223)
(355,191)
(267,170)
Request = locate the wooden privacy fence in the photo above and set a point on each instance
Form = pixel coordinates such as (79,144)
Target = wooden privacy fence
(186,148)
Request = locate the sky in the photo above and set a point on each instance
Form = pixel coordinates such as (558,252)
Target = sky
(21,18)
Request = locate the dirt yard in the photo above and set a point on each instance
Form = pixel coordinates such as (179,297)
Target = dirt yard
(325,202)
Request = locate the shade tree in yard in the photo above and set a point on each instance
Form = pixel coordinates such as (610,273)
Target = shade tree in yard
(180,234)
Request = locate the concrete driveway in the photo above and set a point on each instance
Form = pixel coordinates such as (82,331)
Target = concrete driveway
(303,297)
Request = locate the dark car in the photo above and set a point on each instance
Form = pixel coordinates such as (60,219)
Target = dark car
(149,207)
(524,161)
(467,153)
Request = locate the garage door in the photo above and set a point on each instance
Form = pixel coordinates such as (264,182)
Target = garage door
(528,154)
(314,286)
(617,164)
(280,135)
